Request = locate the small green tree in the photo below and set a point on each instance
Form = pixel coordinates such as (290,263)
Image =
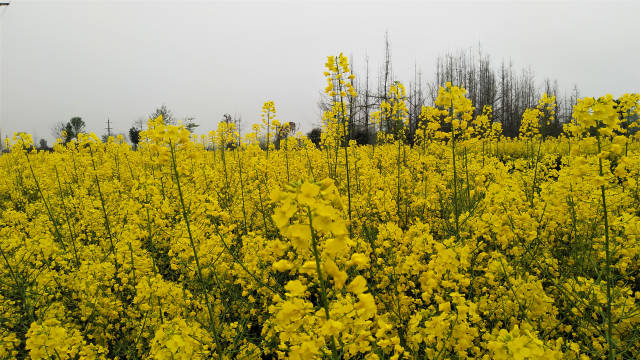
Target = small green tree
(189,124)
(315,136)
(69,130)
(42,145)
(167,115)
(134,136)
(169,119)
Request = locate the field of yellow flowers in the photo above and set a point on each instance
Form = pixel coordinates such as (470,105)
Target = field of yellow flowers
(464,245)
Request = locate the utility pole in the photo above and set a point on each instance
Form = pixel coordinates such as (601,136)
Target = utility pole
(108,128)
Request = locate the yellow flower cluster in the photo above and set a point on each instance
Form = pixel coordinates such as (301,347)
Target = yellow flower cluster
(309,216)
(393,115)
(50,340)
(336,119)
(339,77)
(547,105)
(457,111)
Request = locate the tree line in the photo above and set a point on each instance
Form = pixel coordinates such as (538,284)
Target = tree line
(69,130)
(507,89)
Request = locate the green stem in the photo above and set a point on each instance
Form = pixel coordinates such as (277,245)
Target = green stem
(212,324)
(66,213)
(610,342)
(244,211)
(107,225)
(321,280)
(455,185)
(46,205)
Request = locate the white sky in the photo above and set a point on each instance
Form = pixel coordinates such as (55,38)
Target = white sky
(121,60)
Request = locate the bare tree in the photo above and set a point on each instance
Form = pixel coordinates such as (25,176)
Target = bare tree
(470,69)
(416,100)
(509,91)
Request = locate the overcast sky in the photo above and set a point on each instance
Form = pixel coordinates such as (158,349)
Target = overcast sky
(121,60)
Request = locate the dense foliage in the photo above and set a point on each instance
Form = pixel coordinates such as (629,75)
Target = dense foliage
(464,245)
